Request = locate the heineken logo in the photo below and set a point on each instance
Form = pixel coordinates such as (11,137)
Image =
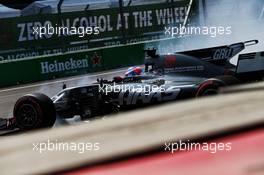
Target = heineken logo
(56,66)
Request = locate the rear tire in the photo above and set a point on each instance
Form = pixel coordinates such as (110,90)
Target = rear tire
(211,86)
(34,111)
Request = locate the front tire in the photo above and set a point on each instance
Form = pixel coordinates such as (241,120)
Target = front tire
(34,111)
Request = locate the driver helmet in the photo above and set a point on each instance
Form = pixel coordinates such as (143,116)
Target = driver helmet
(133,71)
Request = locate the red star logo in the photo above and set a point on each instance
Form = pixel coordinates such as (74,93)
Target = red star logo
(96,59)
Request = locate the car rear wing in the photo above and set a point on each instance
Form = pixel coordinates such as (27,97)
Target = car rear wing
(221,54)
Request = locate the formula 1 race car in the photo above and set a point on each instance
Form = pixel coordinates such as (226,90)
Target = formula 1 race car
(166,78)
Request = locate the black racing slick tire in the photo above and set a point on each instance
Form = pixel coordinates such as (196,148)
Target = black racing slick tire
(34,111)
(211,86)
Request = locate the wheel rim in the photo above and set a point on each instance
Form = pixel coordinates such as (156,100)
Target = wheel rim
(27,115)
(209,92)
(86,114)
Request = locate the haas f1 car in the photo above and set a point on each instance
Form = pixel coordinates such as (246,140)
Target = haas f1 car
(165,78)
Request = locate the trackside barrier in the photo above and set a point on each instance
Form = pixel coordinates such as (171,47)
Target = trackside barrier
(76,63)
(46,68)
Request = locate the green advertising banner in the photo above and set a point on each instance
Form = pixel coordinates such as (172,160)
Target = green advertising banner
(26,57)
(63,65)
(134,22)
